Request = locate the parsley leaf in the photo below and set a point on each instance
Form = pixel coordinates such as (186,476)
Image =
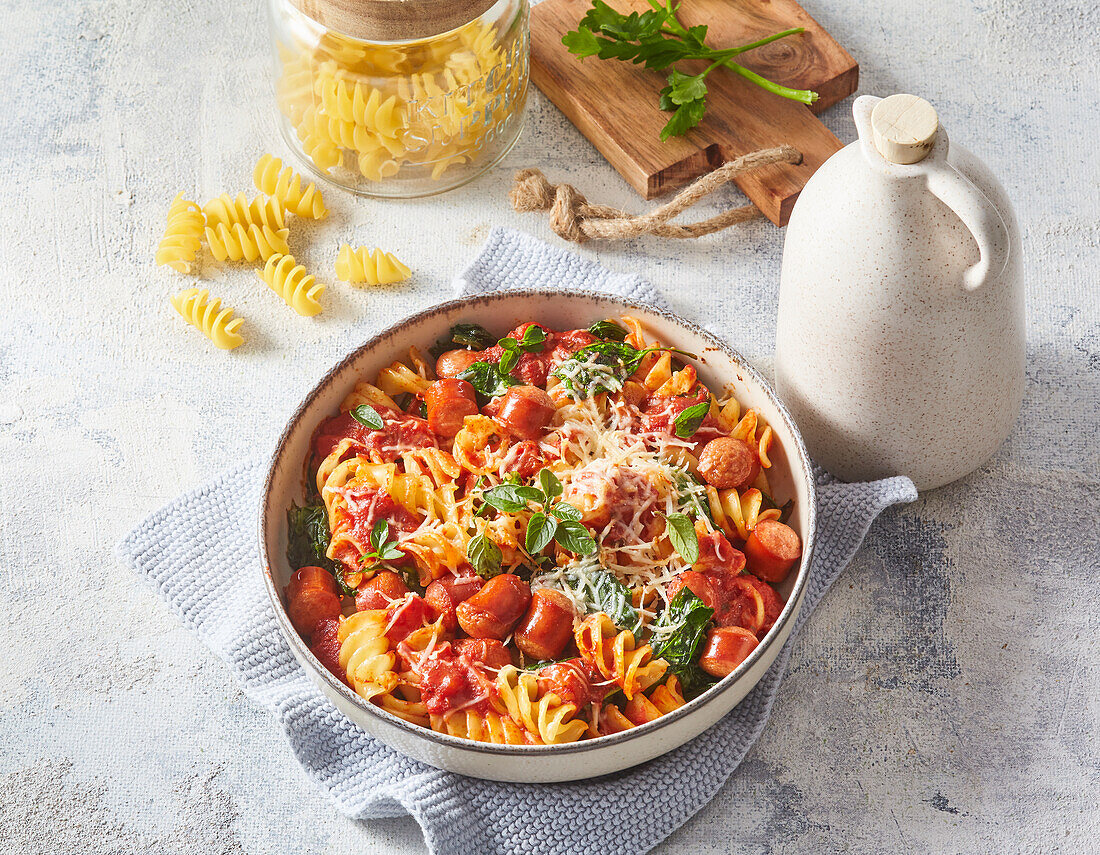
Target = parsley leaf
(657,40)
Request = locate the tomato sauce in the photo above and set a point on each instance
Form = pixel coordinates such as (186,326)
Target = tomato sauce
(400,432)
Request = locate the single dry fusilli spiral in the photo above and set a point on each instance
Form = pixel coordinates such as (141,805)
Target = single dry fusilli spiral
(374,268)
(236,242)
(287,278)
(261,211)
(286,185)
(209,318)
(182,235)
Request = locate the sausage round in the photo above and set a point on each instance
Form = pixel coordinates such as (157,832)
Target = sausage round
(325,645)
(494,610)
(726,648)
(698,583)
(771,550)
(310,577)
(445,594)
(727,462)
(311,597)
(449,402)
(451,363)
(379,591)
(488,651)
(568,680)
(526,411)
(547,626)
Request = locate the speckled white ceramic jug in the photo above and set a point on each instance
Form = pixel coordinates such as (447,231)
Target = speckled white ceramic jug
(900,337)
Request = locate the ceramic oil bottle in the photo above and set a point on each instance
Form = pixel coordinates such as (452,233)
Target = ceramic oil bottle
(900,337)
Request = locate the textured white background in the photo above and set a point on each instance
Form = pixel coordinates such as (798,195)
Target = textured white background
(945,695)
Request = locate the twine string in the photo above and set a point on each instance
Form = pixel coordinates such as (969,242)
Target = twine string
(575,219)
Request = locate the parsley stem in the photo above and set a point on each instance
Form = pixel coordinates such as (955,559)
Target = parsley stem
(806,96)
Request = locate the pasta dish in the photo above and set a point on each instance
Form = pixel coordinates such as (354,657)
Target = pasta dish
(540,538)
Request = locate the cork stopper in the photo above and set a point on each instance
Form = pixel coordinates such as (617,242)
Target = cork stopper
(393,20)
(904,128)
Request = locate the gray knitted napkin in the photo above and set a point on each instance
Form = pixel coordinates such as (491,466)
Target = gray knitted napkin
(200,553)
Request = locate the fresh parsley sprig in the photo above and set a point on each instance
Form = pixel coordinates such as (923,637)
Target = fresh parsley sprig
(657,40)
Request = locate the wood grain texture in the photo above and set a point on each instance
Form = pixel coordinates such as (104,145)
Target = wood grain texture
(741,117)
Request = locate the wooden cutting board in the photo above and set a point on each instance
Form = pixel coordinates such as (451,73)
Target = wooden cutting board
(614,103)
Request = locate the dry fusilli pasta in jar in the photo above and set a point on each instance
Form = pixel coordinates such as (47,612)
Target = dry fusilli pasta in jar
(400,99)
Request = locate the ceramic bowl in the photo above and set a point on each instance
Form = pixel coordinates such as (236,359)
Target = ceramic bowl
(719,366)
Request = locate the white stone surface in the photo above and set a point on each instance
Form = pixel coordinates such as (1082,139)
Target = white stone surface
(945,697)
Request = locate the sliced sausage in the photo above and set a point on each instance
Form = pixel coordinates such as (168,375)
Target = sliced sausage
(526,411)
(570,681)
(379,591)
(311,597)
(325,645)
(445,594)
(453,362)
(727,462)
(547,626)
(312,605)
(726,648)
(699,584)
(487,651)
(404,617)
(449,402)
(494,610)
(310,577)
(772,550)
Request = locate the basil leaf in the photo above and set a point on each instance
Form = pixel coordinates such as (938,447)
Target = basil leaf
(534,338)
(392,553)
(608,331)
(574,537)
(564,511)
(508,359)
(540,531)
(677,636)
(689,420)
(511,498)
(367,415)
(487,379)
(681,531)
(485,556)
(551,486)
(379,534)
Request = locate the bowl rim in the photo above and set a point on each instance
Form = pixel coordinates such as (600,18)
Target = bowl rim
(791,607)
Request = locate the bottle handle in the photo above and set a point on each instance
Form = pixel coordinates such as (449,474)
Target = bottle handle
(979,215)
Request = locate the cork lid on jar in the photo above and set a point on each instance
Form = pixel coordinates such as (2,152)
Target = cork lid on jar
(904,128)
(393,20)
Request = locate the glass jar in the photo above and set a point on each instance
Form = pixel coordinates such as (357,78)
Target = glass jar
(400,98)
